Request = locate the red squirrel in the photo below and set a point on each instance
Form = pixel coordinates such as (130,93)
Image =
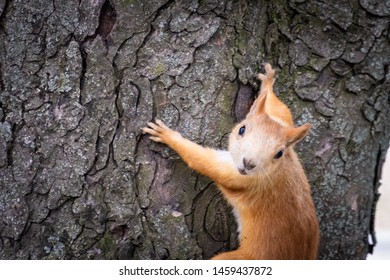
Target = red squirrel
(261,177)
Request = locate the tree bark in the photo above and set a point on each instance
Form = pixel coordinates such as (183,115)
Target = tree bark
(79,79)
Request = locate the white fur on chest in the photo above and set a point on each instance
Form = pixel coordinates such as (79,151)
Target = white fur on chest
(238,221)
(224,156)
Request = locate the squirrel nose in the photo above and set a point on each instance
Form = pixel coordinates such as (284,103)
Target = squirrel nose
(248,164)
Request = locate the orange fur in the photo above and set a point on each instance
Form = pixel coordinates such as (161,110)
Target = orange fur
(270,194)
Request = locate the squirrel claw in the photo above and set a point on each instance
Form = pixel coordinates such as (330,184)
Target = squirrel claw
(161,124)
(159,132)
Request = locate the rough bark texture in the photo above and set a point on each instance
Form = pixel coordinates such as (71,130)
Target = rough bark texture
(79,79)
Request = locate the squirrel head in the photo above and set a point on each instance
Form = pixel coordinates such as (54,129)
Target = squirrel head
(261,142)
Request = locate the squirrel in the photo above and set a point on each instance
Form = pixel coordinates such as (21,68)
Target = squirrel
(260,176)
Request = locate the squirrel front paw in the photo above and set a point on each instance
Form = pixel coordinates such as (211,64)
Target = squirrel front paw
(160,132)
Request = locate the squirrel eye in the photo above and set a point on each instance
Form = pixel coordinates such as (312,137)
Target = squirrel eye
(242,130)
(278,154)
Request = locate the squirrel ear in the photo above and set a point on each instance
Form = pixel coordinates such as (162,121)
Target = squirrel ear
(261,104)
(258,106)
(296,134)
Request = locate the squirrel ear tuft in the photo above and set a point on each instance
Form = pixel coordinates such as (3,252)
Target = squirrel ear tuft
(296,134)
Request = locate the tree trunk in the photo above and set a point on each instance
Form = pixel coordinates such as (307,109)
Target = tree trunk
(79,79)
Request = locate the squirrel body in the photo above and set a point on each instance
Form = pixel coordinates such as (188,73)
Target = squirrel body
(261,177)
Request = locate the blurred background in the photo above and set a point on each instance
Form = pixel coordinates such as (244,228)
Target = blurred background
(382,249)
